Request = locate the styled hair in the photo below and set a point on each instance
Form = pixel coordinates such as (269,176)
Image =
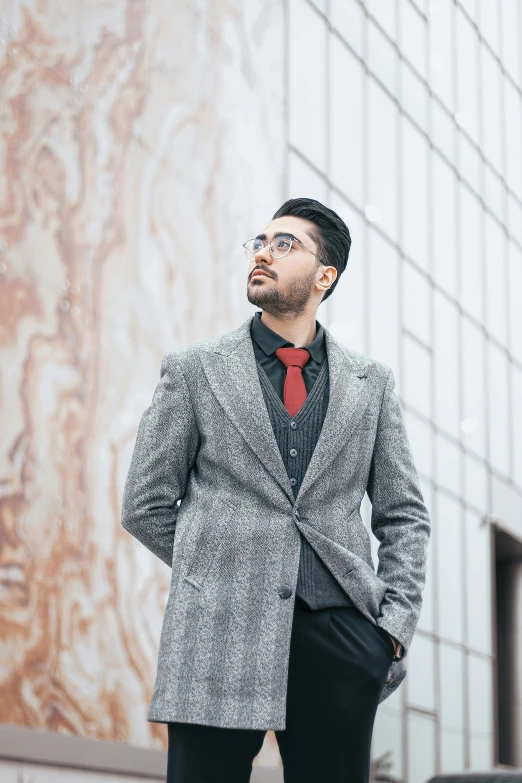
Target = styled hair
(331,236)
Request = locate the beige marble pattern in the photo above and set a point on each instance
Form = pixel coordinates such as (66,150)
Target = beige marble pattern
(141,144)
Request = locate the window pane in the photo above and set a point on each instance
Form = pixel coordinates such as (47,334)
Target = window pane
(466,109)
(446,363)
(347,305)
(321,5)
(490,88)
(346,138)
(506,504)
(448,540)
(441,61)
(349,20)
(512,127)
(475,483)
(444,226)
(471,9)
(448,464)
(421,671)
(516,396)
(511,19)
(382,58)
(451,751)
(387,737)
(473,424)
(307,96)
(385,14)
(478,582)
(451,708)
(470,163)
(495,283)
(413,37)
(416,302)
(414,194)
(494,192)
(470,253)
(421,748)
(303,181)
(498,404)
(414,97)
(480,675)
(383,304)
(488,23)
(515,219)
(382,159)
(417,376)
(420,434)
(515,311)
(421,5)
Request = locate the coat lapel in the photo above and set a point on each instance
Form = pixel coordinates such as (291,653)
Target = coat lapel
(230,367)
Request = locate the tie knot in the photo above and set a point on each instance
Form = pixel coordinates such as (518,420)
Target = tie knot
(292,357)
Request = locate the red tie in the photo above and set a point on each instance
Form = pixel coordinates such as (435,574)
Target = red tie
(294,390)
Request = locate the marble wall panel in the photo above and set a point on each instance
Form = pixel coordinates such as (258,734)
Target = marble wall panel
(141,143)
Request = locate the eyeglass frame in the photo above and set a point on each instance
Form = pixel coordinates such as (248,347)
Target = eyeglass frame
(262,238)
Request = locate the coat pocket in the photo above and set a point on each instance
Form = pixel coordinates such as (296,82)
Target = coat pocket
(210,538)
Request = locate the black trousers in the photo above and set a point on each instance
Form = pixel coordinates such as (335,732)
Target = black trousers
(338,665)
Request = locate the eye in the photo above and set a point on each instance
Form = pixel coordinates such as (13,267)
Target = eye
(283,243)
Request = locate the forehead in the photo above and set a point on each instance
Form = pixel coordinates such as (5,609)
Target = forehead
(291,225)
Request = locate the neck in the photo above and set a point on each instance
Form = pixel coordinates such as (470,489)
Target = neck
(299,331)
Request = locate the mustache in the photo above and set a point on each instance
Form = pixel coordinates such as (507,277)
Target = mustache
(261,269)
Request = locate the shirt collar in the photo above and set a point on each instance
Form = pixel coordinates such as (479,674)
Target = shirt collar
(269,341)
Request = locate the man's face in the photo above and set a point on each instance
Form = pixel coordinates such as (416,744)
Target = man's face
(295,282)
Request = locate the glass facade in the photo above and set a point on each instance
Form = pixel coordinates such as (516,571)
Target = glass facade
(406,118)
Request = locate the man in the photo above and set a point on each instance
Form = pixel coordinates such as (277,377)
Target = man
(269,436)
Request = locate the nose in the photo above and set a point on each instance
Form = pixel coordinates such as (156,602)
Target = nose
(263,255)
(260,261)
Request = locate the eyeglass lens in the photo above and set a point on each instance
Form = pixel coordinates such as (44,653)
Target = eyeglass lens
(279,246)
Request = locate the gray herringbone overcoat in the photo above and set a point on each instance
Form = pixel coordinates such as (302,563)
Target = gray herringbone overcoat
(233,539)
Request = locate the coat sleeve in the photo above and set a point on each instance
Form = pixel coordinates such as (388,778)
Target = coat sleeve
(164,453)
(399,520)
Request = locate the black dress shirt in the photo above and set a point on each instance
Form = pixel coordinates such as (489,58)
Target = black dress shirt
(265,342)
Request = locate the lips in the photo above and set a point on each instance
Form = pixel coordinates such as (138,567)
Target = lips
(258,273)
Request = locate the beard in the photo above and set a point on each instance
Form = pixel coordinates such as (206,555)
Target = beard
(290,301)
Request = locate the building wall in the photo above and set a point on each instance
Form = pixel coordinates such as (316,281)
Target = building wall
(406,117)
(141,144)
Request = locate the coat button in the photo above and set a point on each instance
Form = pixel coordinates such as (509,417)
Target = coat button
(293,425)
(285,591)
(293,481)
(293,452)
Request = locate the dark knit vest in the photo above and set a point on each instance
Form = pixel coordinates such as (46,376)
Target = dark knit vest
(296,438)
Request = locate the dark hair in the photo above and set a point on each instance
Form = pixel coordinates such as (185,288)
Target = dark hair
(332,236)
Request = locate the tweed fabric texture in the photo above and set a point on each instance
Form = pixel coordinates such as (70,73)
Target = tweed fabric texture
(207,491)
(315,584)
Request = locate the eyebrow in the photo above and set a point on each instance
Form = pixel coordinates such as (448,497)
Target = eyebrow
(279,234)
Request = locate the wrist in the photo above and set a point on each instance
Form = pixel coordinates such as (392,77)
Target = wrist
(396,645)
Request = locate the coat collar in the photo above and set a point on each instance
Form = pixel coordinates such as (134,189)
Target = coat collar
(230,366)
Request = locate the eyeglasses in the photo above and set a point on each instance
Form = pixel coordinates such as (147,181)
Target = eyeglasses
(280,246)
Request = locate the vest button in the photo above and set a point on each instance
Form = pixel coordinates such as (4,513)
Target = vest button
(293,425)
(293,452)
(285,591)
(293,481)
